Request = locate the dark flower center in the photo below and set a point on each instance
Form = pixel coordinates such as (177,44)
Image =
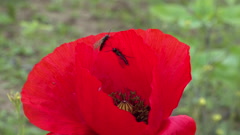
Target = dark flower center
(131,102)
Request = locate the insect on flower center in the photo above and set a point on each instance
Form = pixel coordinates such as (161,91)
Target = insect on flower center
(132,103)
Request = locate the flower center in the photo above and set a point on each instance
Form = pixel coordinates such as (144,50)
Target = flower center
(132,103)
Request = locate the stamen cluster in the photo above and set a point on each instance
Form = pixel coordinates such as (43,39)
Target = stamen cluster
(131,102)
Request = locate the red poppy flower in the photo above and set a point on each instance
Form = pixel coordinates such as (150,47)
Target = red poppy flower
(130,87)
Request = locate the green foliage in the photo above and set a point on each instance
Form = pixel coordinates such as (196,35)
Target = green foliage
(212,98)
(169,12)
(197,13)
(56,5)
(30,28)
(9,124)
(5,19)
(230,15)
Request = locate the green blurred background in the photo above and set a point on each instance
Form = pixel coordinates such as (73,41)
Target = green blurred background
(30,29)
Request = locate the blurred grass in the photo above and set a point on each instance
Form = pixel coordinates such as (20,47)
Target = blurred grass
(31,29)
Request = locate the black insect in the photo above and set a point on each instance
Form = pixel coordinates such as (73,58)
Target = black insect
(119,53)
(101,42)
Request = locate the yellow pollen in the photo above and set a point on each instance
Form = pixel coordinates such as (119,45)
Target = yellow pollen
(124,105)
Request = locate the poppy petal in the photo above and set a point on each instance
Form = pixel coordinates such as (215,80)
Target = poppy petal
(48,96)
(179,125)
(67,92)
(51,133)
(153,37)
(170,77)
(97,107)
(56,134)
(137,76)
